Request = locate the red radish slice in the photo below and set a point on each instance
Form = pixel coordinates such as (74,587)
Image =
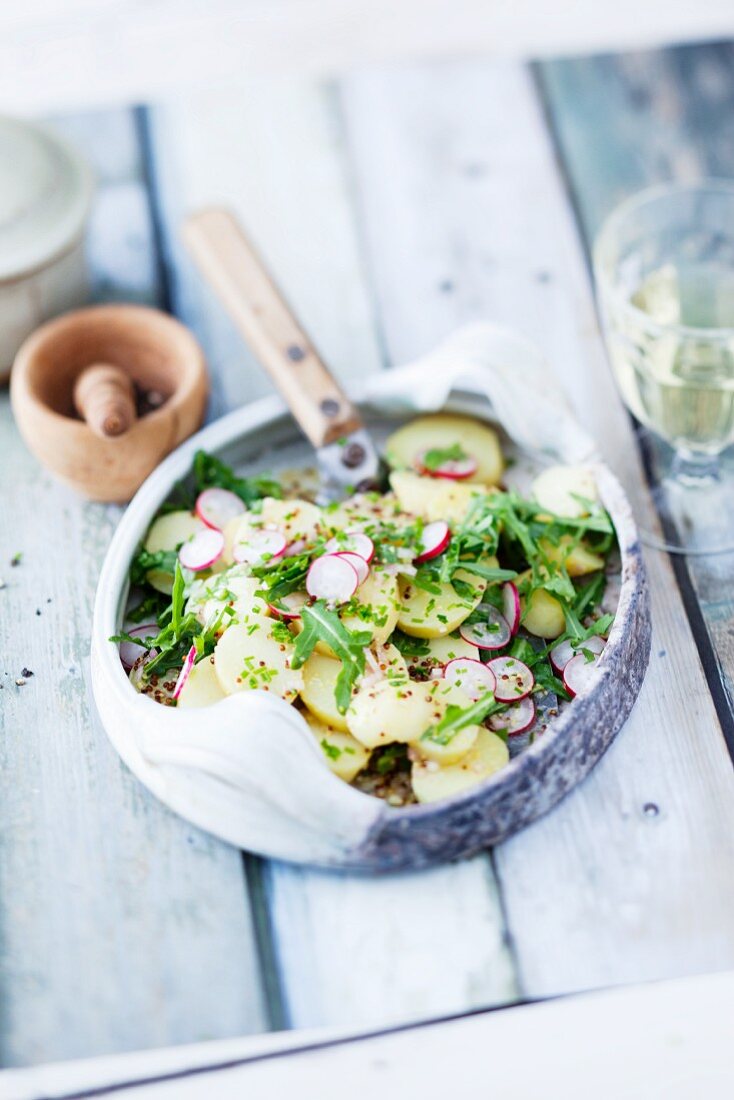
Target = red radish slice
(216,507)
(562,653)
(511,606)
(293,549)
(516,719)
(202,550)
(130,651)
(456,469)
(578,675)
(259,547)
(493,634)
(353,542)
(358,563)
(289,607)
(514,679)
(332,578)
(435,537)
(473,677)
(185,672)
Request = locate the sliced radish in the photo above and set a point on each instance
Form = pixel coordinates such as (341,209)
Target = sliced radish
(258,547)
(578,674)
(516,719)
(289,607)
(185,672)
(494,633)
(454,468)
(473,677)
(202,550)
(130,651)
(511,606)
(562,653)
(352,542)
(216,507)
(293,549)
(332,578)
(358,563)
(514,679)
(435,537)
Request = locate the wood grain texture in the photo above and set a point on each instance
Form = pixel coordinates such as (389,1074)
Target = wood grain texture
(232,267)
(241,154)
(472,221)
(351,950)
(121,926)
(669,1041)
(654,117)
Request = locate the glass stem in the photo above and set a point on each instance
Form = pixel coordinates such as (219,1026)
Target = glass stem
(694,468)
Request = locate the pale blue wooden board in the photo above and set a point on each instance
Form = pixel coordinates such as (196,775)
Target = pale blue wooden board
(121,926)
(621,124)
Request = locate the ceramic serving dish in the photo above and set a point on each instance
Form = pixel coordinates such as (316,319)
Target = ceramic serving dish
(247,769)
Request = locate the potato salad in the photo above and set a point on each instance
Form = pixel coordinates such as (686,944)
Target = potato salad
(426,633)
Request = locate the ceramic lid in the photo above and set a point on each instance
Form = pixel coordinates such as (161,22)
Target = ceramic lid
(45,191)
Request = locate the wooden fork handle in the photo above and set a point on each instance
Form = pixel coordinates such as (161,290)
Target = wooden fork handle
(233,267)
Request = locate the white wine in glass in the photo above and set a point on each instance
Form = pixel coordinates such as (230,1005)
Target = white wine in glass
(664,265)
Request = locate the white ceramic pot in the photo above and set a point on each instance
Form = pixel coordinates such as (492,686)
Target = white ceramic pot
(45,196)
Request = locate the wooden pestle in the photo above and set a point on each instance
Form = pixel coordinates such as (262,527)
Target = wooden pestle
(104,396)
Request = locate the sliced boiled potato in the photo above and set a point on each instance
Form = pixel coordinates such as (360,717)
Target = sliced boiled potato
(230,537)
(441,651)
(558,488)
(386,661)
(255,657)
(434,498)
(542,614)
(364,511)
(428,615)
(374,608)
(577,557)
(210,597)
(443,431)
(319,689)
(446,695)
(375,605)
(450,753)
(345,756)
(295,519)
(382,713)
(431,782)
(202,687)
(168,533)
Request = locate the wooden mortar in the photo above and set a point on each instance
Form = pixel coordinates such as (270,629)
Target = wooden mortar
(157,353)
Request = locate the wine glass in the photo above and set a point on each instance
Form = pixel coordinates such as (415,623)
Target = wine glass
(664,268)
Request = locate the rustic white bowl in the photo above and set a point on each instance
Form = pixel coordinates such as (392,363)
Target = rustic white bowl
(248,769)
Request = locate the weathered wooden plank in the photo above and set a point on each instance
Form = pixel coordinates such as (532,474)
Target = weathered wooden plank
(123,51)
(352,950)
(632,876)
(121,926)
(654,117)
(665,1040)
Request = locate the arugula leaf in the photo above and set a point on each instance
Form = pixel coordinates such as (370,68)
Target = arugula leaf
(390,758)
(282,577)
(434,458)
(456,718)
(210,471)
(322,624)
(144,561)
